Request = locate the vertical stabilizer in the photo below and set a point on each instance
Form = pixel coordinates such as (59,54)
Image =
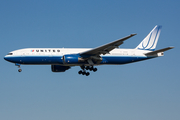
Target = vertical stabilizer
(150,41)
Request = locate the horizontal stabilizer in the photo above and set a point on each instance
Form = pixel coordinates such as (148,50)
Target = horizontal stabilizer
(158,51)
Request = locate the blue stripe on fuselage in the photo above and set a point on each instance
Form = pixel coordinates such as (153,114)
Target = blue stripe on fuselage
(58,59)
(122,59)
(35,59)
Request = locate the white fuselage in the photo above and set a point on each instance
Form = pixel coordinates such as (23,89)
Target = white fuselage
(55,56)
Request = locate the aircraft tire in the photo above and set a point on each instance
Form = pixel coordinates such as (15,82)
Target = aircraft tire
(95,69)
(83,73)
(87,74)
(87,68)
(19,70)
(80,72)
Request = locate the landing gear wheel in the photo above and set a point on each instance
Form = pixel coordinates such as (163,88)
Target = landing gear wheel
(87,68)
(87,74)
(83,73)
(83,67)
(19,70)
(95,69)
(80,72)
(91,68)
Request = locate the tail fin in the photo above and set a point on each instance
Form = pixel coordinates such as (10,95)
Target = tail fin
(150,41)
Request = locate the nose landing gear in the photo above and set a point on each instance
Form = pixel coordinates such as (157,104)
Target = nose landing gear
(19,70)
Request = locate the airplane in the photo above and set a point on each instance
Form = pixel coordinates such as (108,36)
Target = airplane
(62,59)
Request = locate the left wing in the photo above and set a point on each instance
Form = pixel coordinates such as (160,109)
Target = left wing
(105,49)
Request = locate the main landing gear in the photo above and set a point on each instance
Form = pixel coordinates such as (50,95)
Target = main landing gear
(84,68)
(19,70)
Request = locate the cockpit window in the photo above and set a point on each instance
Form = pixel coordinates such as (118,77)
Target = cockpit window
(10,54)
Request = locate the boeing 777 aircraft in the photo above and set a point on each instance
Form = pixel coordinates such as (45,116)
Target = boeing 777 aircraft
(62,59)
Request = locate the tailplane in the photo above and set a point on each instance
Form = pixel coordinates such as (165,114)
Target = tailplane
(150,41)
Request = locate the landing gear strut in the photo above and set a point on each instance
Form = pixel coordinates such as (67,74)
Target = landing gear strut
(84,68)
(19,70)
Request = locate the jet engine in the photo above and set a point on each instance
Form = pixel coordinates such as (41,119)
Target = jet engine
(59,68)
(72,59)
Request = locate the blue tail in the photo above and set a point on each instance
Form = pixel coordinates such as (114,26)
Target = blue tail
(150,41)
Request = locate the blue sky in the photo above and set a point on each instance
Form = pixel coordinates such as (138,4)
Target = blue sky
(144,90)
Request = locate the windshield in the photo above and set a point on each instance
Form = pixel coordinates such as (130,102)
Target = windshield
(10,54)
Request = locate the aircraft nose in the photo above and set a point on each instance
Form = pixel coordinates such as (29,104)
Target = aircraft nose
(5,58)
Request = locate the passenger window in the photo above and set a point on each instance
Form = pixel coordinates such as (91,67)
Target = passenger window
(54,51)
(45,50)
(37,50)
(41,50)
(58,50)
(49,50)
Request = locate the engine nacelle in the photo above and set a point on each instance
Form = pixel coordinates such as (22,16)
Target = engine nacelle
(59,68)
(72,59)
